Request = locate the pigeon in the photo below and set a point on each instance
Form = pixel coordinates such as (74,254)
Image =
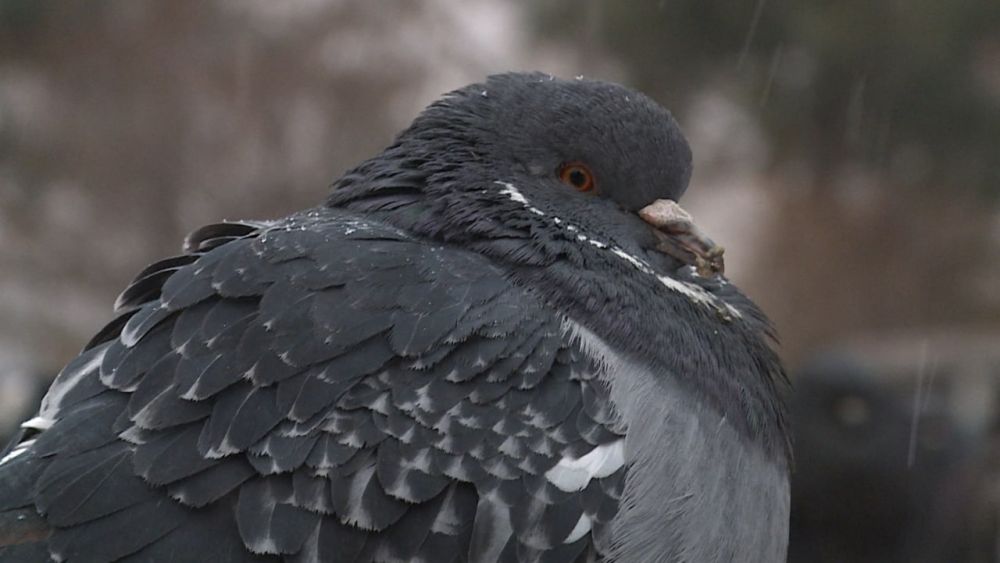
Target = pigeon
(500,339)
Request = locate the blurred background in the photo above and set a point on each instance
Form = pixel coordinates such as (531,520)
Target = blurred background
(847,155)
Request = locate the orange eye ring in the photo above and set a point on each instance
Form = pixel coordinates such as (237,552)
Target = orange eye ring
(578,175)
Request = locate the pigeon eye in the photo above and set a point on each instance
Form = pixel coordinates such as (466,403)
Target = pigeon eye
(577,175)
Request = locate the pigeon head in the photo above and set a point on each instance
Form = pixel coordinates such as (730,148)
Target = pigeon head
(577,159)
(573,138)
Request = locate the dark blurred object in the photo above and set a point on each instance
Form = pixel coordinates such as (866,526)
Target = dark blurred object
(896,448)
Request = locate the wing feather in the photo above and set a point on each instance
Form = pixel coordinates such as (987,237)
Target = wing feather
(324,389)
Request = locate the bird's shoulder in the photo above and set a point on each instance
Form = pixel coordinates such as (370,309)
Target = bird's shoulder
(324,387)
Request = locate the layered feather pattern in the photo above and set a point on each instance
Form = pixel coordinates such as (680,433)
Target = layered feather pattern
(325,388)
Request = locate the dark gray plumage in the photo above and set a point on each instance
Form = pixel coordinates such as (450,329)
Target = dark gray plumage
(458,357)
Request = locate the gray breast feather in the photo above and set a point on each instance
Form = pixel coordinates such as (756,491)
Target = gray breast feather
(696,490)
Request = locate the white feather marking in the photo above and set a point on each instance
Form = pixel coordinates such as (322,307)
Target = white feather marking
(400,489)
(351,439)
(512,447)
(407,437)
(638,264)
(693,292)
(448,521)
(13,454)
(421,461)
(358,514)
(64,383)
(310,549)
(581,528)
(129,335)
(222,450)
(381,404)
(424,398)
(513,193)
(132,435)
(38,423)
(265,544)
(20,449)
(573,474)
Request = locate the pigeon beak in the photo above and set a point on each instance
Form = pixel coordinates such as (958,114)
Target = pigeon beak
(678,236)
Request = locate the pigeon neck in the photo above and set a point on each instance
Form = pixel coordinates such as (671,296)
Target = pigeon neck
(705,333)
